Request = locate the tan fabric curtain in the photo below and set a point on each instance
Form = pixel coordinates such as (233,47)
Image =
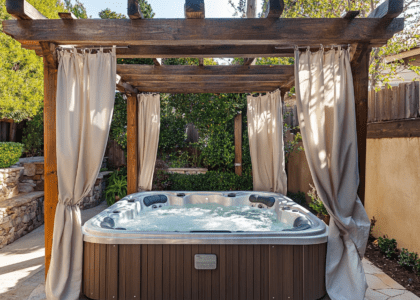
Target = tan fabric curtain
(265,132)
(149,128)
(85,103)
(325,102)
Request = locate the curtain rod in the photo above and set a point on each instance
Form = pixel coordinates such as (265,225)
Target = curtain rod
(306,47)
(92,47)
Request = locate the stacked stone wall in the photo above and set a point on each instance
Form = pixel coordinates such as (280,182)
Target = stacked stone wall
(20,215)
(9,182)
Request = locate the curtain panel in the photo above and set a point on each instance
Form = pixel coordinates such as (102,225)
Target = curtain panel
(265,132)
(148,135)
(85,103)
(327,118)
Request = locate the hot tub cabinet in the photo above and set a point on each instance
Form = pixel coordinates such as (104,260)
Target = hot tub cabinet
(122,264)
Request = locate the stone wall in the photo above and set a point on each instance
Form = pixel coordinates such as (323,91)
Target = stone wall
(9,181)
(20,215)
(32,179)
(97,194)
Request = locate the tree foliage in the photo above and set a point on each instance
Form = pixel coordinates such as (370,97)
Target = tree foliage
(78,9)
(381,71)
(21,70)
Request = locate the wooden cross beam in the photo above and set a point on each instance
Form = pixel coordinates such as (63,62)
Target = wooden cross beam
(197,87)
(133,10)
(274,9)
(389,9)
(194,9)
(67,16)
(176,32)
(350,15)
(209,71)
(22,10)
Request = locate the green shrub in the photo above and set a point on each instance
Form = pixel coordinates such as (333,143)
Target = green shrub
(316,203)
(9,153)
(407,259)
(172,133)
(116,186)
(211,181)
(298,197)
(33,136)
(387,246)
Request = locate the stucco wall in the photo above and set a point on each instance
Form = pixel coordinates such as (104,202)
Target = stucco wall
(393,189)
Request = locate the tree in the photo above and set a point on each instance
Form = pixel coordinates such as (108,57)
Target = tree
(145,8)
(21,70)
(380,71)
(77,9)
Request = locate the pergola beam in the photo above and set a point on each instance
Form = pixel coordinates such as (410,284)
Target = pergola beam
(67,16)
(389,9)
(133,10)
(186,88)
(22,10)
(350,15)
(124,87)
(157,61)
(274,9)
(167,32)
(194,9)
(210,71)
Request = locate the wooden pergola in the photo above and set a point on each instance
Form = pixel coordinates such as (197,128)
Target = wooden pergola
(198,37)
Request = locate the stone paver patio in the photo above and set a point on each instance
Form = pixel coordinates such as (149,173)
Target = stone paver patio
(22,270)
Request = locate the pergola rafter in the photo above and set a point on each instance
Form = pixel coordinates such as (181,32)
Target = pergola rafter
(197,37)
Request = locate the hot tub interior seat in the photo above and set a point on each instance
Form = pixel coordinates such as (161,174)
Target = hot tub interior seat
(132,206)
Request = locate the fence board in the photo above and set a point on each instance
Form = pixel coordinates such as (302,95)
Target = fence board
(396,103)
(371,105)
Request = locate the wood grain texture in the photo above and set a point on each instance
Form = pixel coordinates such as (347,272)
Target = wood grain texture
(132,142)
(238,144)
(274,9)
(185,32)
(388,9)
(211,71)
(50,158)
(360,71)
(194,9)
(350,15)
(133,10)
(394,129)
(22,10)
(67,16)
(167,272)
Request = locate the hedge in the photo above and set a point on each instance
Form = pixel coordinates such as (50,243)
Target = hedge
(211,181)
(9,153)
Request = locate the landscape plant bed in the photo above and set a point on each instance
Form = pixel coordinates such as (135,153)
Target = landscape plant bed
(406,278)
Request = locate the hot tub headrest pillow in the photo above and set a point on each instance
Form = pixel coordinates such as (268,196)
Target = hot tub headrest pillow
(269,201)
(150,200)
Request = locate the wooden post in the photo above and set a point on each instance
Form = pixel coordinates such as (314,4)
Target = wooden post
(50,157)
(132,140)
(238,144)
(360,70)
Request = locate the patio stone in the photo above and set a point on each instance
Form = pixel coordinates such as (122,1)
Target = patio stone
(389,281)
(406,296)
(391,292)
(375,283)
(374,295)
(370,268)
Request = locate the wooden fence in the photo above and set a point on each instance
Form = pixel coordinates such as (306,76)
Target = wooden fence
(396,103)
(7,130)
(290,116)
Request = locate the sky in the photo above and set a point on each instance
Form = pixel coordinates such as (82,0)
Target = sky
(165,8)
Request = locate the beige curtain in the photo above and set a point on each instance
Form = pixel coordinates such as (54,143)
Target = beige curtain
(325,102)
(265,132)
(85,102)
(149,128)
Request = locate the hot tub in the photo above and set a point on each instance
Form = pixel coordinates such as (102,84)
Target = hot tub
(207,250)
